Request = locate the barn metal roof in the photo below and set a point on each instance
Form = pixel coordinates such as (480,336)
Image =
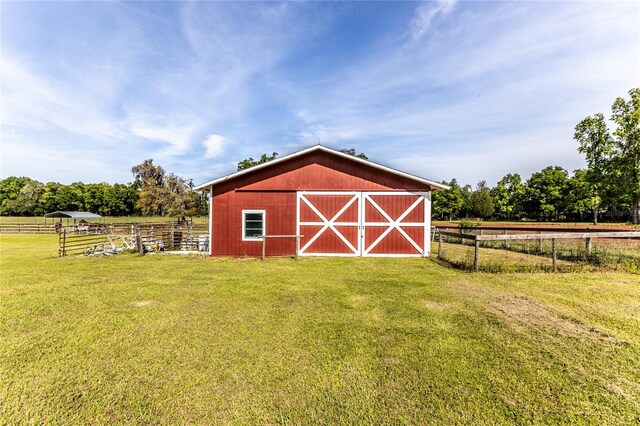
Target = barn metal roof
(435,185)
(74,215)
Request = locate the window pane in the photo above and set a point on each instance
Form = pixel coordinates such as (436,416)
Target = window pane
(253,225)
(253,232)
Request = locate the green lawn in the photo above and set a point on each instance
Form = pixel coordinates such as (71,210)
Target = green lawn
(173,339)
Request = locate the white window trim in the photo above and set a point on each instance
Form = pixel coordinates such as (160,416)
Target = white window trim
(264,224)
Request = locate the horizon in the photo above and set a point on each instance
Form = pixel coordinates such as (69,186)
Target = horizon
(442,90)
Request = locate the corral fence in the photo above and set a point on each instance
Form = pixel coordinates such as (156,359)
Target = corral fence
(147,237)
(528,249)
(26,228)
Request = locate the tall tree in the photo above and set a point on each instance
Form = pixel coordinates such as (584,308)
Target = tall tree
(547,192)
(250,162)
(448,203)
(583,195)
(154,196)
(596,143)
(10,190)
(48,200)
(480,201)
(352,151)
(626,140)
(70,197)
(508,196)
(26,203)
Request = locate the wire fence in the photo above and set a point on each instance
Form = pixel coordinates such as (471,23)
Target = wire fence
(541,251)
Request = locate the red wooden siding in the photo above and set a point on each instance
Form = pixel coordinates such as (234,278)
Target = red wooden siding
(280,219)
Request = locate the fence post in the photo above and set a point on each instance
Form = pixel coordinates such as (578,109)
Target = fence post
(439,245)
(476,256)
(59,244)
(64,242)
(173,241)
(264,247)
(554,255)
(297,245)
(139,244)
(540,243)
(588,246)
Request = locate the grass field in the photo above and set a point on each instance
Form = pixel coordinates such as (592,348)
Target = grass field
(174,339)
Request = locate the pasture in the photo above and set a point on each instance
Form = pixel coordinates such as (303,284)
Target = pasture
(187,339)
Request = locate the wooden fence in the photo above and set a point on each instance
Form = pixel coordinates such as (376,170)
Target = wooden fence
(26,228)
(477,239)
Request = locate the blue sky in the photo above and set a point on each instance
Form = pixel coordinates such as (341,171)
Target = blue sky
(443,89)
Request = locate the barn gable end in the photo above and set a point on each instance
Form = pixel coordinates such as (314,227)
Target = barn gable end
(319,171)
(320,202)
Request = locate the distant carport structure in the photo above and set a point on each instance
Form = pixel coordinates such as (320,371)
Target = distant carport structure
(72,215)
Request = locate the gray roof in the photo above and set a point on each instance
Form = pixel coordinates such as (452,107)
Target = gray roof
(74,215)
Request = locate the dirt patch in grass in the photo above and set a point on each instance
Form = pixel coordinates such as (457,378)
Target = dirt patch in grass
(621,281)
(435,306)
(625,389)
(142,303)
(390,361)
(521,311)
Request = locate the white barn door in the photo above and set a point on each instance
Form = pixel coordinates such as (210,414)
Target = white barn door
(395,223)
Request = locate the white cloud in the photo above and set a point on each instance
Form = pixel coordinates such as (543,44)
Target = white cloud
(426,13)
(177,139)
(215,145)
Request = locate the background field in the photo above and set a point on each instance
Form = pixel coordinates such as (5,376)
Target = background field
(178,339)
(105,219)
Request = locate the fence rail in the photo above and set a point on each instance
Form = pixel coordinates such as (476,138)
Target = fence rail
(526,228)
(26,228)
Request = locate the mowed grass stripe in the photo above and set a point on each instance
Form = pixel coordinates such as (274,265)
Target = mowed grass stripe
(173,339)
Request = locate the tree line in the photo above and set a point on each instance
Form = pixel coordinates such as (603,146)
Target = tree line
(153,192)
(609,188)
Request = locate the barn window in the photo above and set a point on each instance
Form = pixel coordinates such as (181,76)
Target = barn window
(253,224)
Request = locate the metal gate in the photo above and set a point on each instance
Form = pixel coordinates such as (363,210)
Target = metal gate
(348,223)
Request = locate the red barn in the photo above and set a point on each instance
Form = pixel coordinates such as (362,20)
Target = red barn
(338,205)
